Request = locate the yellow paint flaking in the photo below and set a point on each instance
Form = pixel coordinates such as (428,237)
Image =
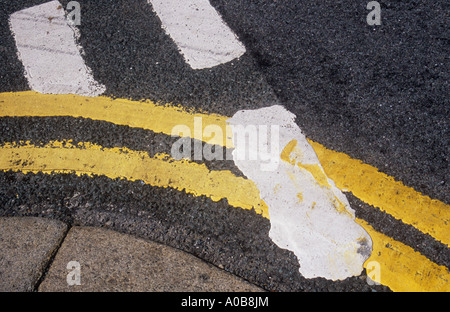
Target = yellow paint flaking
(380,190)
(139,114)
(121,162)
(292,155)
(403,269)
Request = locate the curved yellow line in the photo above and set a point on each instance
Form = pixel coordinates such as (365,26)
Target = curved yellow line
(160,170)
(404,269)
(401,268)
(364,181)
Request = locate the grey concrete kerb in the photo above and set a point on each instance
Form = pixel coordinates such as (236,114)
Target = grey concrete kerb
(95,259)
(26,247)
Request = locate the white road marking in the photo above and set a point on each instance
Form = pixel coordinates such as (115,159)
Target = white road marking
(199,32)
(309,215)
(49,53)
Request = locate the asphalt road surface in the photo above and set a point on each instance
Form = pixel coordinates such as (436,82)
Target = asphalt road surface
(376,93)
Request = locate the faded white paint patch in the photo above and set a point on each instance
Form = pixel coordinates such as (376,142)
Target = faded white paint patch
(48,51)
(199,32)
(309,215)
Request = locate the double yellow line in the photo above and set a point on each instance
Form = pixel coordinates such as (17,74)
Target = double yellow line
(401,268)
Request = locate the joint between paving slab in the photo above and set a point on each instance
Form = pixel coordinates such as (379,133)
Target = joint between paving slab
(52,258)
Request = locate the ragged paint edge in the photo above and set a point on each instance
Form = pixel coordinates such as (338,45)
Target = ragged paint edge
(47,47)
(401,268)
(364,181)
(160,170)
(376,188)
(309,215)
(198,30)
(139,114)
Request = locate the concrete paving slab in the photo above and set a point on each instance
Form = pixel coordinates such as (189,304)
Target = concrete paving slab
(26,246)
(96,260)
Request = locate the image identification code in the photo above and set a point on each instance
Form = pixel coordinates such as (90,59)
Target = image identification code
(235,301)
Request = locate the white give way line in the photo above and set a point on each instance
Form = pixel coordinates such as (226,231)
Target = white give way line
(199,32)
(46,46)
(53,63)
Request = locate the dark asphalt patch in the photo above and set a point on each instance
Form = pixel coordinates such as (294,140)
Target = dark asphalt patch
(43,130)
(36,130)
(231,238)
(379,94)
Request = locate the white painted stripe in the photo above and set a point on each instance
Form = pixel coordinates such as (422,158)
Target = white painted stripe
(47,48)
(199,32)
(309,215)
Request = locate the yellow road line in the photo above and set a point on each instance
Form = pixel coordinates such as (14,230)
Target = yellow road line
(146,115)
(161,170)
(402,269)
(364,181)
(380,190)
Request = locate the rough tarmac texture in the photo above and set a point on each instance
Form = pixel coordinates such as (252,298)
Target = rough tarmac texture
(36,130)
(377,93)
(131,55)
(228,237)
